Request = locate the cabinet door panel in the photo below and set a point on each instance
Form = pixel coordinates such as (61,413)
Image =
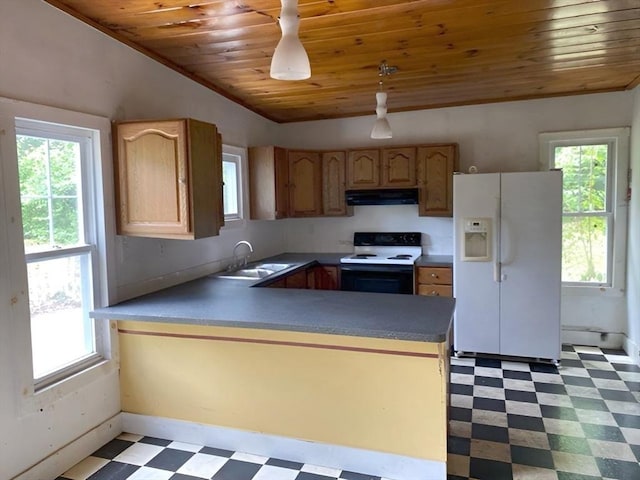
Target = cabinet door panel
(281,166)
(305,183)
(205,178)
(399,167)
(363,169)
(153,188)
(296,280)
(168,178)
(436,165)
(333,184)
(326,277)
(435,290)
(435,275)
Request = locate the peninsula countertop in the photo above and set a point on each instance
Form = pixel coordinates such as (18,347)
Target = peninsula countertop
(240,303)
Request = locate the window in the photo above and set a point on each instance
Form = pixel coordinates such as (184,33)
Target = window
(594,166)
(232,160)
(57,203)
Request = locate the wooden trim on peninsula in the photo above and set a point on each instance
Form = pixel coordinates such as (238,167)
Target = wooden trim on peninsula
(277,342)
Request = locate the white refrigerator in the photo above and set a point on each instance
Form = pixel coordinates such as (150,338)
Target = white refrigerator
(507,263)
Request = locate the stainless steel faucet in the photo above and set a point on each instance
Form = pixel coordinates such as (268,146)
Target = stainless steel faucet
(246,257)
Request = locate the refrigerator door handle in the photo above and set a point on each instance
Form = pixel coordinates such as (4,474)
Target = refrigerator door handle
(497,268)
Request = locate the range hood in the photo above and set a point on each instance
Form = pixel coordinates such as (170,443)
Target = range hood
(396,196)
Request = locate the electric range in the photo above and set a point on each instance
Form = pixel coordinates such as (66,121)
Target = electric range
(381,262)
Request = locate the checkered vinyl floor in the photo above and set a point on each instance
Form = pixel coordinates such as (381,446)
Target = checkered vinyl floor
(509,420)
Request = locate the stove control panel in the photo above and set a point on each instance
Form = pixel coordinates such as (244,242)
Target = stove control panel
(387,239)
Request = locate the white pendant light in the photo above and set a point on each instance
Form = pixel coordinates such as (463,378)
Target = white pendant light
(381,128)
(290,60)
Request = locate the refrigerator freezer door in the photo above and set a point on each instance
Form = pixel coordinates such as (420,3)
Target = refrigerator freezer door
(531,259)
(476,323)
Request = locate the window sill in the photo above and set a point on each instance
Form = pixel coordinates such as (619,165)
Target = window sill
(591,291)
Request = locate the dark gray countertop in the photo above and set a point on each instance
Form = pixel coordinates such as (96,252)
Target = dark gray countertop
(435,261)
(228,302)
(321,258)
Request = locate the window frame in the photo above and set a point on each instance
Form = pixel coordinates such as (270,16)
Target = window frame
(14,314)
(87,248)
(616,210)
(238,156)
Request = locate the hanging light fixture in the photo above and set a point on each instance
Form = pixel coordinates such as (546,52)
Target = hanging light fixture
(290,60)
(381,128)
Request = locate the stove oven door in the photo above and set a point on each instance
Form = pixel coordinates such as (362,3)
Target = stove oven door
(377,278)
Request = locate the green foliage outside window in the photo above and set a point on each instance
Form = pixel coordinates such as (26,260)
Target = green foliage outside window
(585,212)
(49,186)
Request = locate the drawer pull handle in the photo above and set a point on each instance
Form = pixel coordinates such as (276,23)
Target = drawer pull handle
(434,275)
(435,294)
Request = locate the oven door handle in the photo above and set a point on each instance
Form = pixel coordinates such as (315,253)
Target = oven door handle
(376,268)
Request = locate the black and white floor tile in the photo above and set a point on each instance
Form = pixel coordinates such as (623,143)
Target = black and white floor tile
(509,420)
(513,420)
(133,457)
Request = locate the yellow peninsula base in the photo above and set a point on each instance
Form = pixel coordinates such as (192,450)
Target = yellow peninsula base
(373,405)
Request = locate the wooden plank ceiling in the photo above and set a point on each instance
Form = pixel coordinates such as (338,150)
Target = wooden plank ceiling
(448,52)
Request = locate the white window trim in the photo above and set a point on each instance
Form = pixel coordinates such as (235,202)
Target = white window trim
(14,320)
(87,211)
(619,137)
(231,222)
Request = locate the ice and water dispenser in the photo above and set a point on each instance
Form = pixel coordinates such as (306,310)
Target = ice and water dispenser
(476,241)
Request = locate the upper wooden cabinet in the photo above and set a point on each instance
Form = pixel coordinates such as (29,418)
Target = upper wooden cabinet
(305,184)
(168,179)
(268,183)
(363,169)
(302,183)
(334,184)
(398,167)
(387,167)
(436,164)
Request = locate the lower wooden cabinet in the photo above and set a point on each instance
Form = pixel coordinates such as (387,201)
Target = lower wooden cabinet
(323,277)
(434,281)
(296,280)
(319,277)
(293,280)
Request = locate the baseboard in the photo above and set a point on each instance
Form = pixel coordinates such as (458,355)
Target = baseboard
(632,349)
(333,456)
(592,338)
(73,452)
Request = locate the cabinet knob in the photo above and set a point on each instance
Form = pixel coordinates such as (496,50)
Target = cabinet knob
(434,293)
(182,180)
(434,275)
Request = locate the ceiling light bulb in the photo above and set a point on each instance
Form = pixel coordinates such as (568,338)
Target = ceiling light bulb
(290,60)
(381,128)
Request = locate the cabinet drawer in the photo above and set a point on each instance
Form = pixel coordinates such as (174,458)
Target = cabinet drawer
(435,275)
(435,290)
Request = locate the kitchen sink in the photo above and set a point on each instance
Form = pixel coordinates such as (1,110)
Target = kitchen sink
(253,272)
(276,267)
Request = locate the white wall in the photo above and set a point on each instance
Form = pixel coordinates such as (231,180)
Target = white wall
(494,137)
(49,58)
(336,234)
(633,244)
